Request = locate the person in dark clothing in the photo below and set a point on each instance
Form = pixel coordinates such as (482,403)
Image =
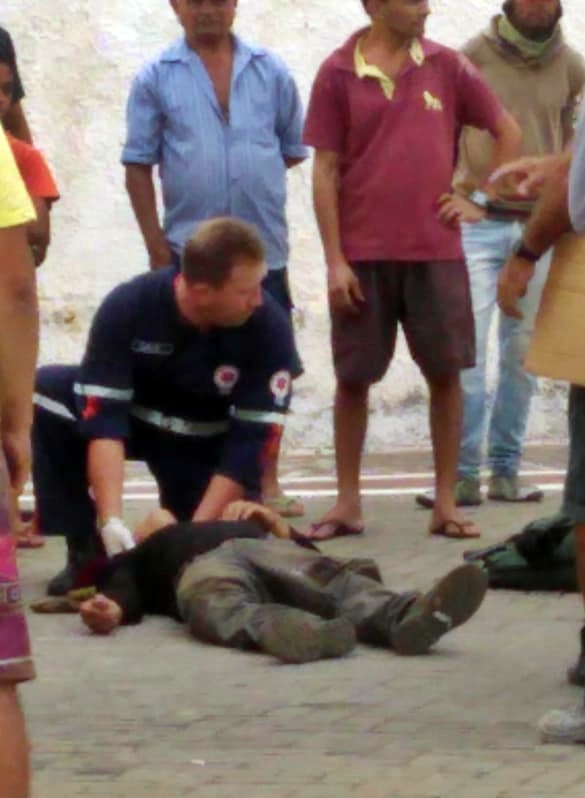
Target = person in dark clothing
(234,584)
(190,372)
(15,120)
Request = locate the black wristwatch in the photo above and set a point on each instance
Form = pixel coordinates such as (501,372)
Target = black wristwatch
(520,250)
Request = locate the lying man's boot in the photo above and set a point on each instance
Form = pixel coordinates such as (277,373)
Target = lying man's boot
(508,489)
(467,494)
(448,604)
(563,726)
(294,636)
(576,673)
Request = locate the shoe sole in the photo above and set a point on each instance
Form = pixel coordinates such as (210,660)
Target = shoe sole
(429,503)
(555,738)
(324,640)
(531,497)
(450,603)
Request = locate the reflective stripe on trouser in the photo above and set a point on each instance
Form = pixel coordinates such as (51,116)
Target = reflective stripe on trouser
(220,593)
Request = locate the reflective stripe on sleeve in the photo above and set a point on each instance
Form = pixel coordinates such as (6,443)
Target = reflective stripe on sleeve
(259,417)
(57,408)
(102,392)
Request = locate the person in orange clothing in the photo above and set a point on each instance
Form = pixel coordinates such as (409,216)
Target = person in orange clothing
(43,191)
(34,171)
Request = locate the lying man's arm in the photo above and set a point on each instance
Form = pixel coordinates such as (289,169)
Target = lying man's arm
(101,614)
(118,600)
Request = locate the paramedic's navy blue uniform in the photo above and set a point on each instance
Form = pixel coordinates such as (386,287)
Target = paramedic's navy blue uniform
(191,404)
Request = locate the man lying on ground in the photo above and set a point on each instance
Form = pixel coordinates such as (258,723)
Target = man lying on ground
(234,584)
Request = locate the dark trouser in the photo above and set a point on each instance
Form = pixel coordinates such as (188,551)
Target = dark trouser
(224,595)
(276,284)
(181,465)
(574,499)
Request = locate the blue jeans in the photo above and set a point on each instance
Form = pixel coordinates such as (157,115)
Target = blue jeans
(487,246)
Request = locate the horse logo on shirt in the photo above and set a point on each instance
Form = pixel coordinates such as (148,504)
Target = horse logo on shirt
(432,103)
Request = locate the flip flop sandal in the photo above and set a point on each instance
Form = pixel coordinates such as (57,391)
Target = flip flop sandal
(327,530)
(455,530)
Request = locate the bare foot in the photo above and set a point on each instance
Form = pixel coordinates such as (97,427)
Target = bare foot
(453,525)
(340,521)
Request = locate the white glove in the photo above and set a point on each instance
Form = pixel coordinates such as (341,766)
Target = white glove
(116,536)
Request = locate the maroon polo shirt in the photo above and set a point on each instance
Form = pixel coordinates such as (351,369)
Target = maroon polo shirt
(396,157)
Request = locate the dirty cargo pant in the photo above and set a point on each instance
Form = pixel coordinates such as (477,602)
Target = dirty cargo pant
(224,596)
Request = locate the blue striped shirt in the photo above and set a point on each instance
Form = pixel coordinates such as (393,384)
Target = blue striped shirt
(209,165)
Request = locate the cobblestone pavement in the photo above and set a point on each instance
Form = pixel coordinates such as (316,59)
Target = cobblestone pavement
(149,712)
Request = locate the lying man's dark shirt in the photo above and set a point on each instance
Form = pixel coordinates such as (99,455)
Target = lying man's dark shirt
(143,580)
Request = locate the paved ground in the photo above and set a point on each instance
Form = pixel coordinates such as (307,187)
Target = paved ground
(151,713)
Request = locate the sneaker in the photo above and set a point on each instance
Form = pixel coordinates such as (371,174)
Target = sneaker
(448,604)
(563,726)
(467,494)
(295,637)
(576,673)
(508,489)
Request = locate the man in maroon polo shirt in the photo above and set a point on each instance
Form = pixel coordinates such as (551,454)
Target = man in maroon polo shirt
(384,118)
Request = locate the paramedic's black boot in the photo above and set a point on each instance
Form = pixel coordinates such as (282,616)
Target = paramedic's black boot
(77,558)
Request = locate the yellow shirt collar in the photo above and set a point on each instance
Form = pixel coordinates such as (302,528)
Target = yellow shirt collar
(365,70)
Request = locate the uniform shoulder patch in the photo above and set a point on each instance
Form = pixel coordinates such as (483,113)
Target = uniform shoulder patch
(280,384)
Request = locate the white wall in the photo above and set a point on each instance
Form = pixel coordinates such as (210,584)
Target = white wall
(77,58)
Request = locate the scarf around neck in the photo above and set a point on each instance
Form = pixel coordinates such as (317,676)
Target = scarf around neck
(528,48)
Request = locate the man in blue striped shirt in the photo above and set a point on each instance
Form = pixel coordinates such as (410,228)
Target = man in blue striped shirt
(222,119)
